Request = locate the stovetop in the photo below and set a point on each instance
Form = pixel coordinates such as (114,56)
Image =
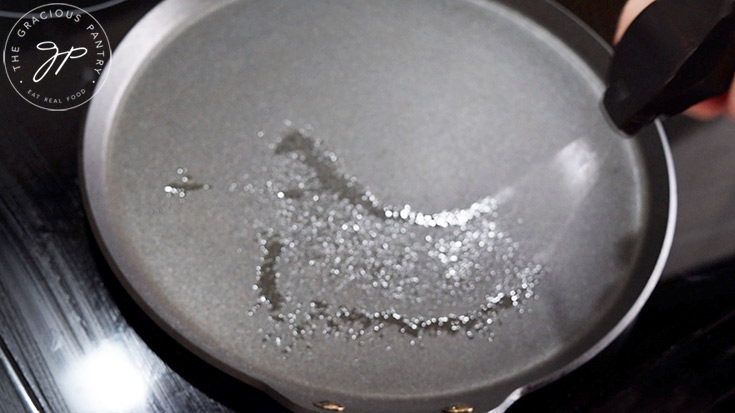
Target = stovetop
(71,339)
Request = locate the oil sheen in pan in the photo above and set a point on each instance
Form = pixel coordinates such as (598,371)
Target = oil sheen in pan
(410,128)
(323,235)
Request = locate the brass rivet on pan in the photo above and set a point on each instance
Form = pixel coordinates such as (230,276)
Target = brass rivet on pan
(330,406)
(458,408)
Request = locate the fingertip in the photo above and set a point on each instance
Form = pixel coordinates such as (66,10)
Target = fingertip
(631,10)
(730,109)
(708,109)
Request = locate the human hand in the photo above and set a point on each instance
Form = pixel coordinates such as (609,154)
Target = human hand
(710,108)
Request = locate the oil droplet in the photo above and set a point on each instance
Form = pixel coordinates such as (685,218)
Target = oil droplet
(324,235)
(183,185)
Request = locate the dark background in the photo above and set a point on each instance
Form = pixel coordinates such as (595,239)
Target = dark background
(59,300)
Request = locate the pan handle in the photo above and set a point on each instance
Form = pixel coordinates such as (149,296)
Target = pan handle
(675,54)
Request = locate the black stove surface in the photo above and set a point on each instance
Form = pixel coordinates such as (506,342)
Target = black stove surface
(71,339)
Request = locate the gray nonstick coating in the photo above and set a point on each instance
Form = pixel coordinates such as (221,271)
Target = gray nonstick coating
(434,104)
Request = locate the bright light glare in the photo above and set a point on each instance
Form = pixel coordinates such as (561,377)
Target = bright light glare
(579,166)
(106,380)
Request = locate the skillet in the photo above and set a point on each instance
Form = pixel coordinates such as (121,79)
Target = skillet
(376,206)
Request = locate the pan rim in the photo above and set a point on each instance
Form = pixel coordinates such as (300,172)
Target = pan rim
(102,116)
(633,312)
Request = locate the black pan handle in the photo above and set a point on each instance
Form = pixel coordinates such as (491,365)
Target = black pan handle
(675,54)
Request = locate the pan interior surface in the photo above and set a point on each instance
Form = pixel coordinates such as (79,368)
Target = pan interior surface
(384,204)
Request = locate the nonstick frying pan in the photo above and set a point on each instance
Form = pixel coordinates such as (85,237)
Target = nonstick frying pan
(374,206)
